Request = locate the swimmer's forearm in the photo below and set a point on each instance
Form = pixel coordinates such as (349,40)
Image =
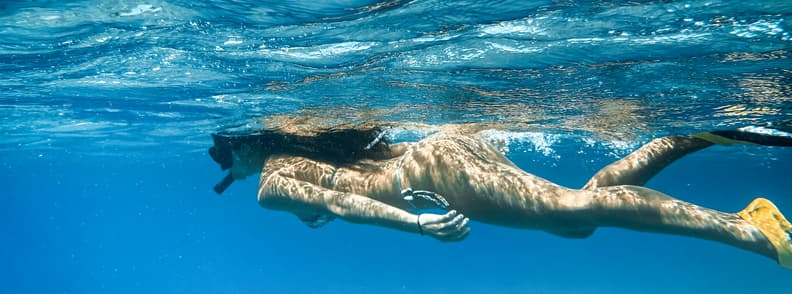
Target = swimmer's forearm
(359,209)
(281,192)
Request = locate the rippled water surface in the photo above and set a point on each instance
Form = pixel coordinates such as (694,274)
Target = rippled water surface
(174,71)
(106,109)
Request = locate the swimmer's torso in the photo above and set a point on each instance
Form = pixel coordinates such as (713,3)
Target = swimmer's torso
(448,164)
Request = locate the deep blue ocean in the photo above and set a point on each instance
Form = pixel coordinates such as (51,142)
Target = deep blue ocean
(106,111)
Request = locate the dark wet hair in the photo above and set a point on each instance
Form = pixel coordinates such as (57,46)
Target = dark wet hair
(336,146)
(343,146)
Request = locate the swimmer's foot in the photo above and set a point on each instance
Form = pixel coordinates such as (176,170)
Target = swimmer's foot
(768,135)
(765,216)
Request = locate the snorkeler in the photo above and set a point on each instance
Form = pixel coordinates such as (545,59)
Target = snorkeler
(353,173)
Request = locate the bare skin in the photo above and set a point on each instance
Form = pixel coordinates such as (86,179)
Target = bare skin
(482,183)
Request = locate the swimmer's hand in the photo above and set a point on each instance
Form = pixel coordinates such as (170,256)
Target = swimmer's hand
(452,226)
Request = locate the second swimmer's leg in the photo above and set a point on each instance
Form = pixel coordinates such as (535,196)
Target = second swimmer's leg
(643,164)
(643,209)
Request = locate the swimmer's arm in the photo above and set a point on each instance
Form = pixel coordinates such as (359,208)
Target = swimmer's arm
(284,193)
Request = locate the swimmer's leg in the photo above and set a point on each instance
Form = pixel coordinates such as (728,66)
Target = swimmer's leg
(643,164)
(510,197)
(759,228)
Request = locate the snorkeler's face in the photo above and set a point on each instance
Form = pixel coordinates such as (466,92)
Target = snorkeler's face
(221,152)
(247,160)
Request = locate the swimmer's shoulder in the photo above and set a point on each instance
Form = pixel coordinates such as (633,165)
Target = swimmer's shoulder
(298,167)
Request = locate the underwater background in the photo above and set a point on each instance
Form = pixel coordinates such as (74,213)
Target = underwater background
(106,111)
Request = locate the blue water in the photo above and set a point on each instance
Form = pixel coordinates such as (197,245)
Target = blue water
(106,109)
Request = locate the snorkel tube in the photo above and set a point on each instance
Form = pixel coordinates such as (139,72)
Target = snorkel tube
(223,184)
(221,153)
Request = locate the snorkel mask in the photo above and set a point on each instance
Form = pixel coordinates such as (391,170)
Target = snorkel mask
(221,153)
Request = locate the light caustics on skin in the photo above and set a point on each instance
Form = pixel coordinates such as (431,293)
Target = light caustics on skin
(479,181)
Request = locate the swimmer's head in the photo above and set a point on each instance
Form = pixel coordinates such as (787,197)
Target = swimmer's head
(221,151)
(247,159)
(242,155)
(245,153)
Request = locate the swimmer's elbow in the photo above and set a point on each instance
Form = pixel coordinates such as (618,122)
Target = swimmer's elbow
(272,191)
(268,201)
(268,198)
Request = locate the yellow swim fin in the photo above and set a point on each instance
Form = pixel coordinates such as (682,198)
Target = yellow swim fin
(764,215)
